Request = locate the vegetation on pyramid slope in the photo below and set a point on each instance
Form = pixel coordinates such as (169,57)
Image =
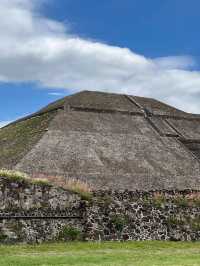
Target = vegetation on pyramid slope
(79,187)
(13,175)
(18,138)
(20,177)
(52,106)
(84,189)
(107,140)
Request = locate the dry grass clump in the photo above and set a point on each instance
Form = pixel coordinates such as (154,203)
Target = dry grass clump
(158,199)
(190,200)
(194,198)
(179,199)
(80,187)
(14,175)
(77,186)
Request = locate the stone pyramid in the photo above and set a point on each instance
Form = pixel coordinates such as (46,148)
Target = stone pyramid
(111,141)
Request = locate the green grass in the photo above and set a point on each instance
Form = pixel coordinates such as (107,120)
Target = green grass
(19,177)
(148,253)
(14,175)
(19,138)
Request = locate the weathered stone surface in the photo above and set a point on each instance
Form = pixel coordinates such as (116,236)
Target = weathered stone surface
(110,141)
(109,215)
(143,216)
(46,203)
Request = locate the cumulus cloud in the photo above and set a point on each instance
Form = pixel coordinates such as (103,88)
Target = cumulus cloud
(35,48)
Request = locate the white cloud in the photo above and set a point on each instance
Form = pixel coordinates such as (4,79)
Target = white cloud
(180,62)
(4,123)
(34,48)
(56,93)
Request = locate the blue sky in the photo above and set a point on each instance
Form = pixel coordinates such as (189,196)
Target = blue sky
(152,28)
(70,45)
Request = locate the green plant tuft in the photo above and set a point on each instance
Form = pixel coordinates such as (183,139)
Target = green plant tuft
(119,222)
(181,201)
(158,200)
(3,237)
(41,182)
(175,221)
(14,175)
(69,233)
(194,223)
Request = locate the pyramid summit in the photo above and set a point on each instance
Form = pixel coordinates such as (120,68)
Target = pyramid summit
(111,141)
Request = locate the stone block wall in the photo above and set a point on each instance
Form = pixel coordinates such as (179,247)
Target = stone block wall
(35,213)
(156,215)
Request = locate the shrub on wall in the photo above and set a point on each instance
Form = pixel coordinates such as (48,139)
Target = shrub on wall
(69,233)
(193,223)
(119,222)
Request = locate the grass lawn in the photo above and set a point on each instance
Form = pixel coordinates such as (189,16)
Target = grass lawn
(148,253)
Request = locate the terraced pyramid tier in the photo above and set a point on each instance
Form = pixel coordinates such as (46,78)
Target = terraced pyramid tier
(111,141)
